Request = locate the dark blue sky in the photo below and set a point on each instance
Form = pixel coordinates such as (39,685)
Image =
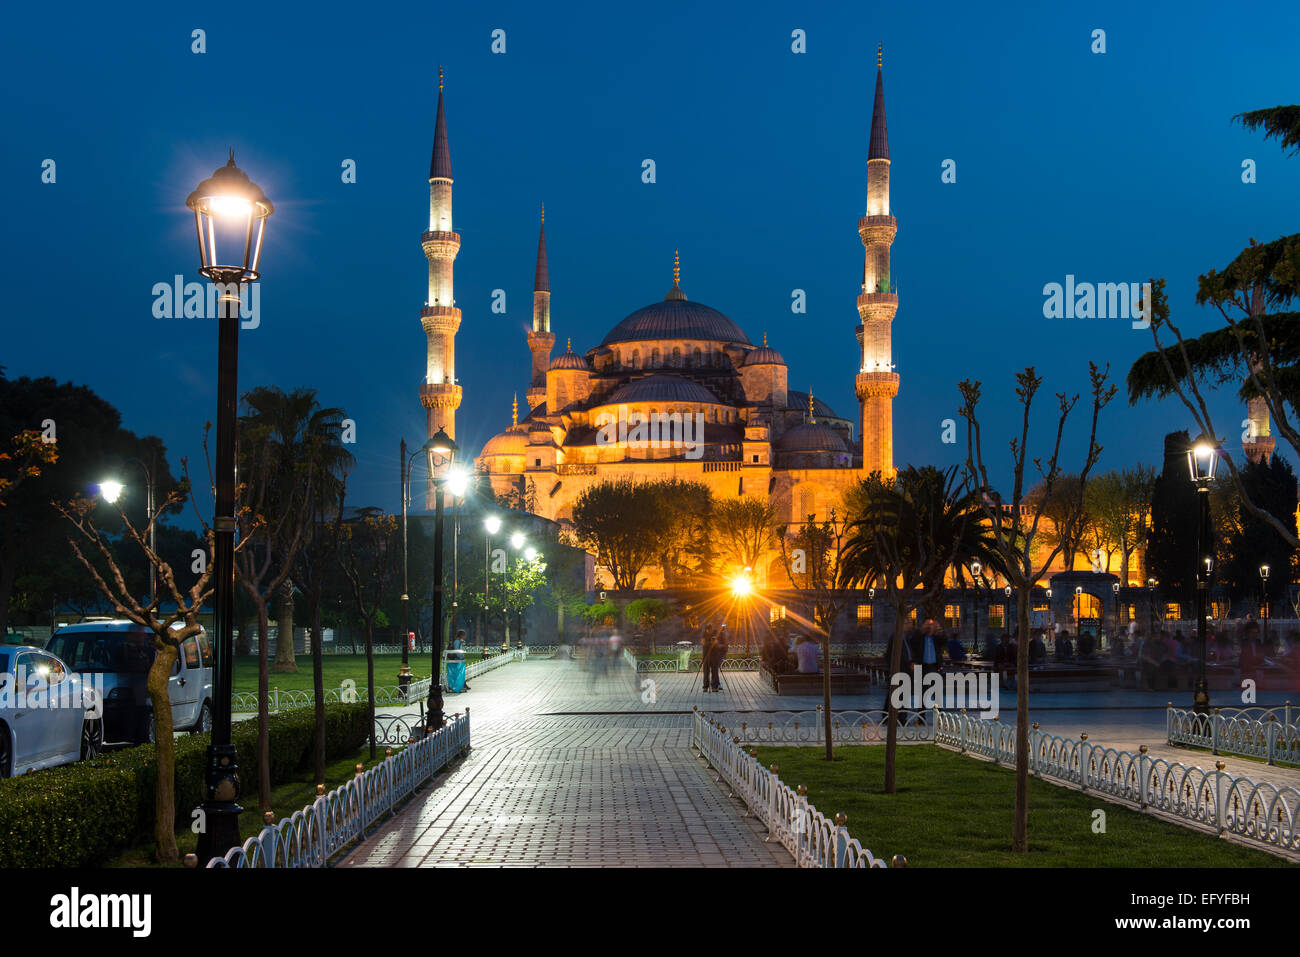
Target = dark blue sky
(1112,167)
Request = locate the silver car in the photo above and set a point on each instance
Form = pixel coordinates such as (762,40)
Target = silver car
(49,715)
(119,653)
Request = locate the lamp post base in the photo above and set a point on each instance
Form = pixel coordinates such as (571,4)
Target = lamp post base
(436,718)
(1201,697)
(404,678)
(221,810)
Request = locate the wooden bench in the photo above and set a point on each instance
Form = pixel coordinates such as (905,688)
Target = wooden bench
(842,682)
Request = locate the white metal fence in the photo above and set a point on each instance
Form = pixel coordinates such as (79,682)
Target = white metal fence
(1270,734)
(312,836)
(1261,812)
(813,839)
(847,727)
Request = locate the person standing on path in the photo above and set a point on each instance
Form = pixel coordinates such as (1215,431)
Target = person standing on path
(713,661)
(706,650)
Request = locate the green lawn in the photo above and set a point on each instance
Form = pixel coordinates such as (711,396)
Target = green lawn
(285,799)
(335,668)
(955,811)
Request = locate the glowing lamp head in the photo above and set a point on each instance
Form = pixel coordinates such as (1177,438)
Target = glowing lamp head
(493,524)
(1263,572)
(517,540)
(230,206)
(1202,460)
(976,568)
(530,554)
(110,491)
(741,586)
(1049,594)
(1115,587)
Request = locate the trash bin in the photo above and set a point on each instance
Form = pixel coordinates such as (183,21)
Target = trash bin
(455,670)
(684,649)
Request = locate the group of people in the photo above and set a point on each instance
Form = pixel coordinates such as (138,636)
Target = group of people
(802,656)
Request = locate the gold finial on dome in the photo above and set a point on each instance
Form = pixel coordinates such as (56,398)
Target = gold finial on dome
(765,340)
(543,213)
(811,415)
(439,77)
(568,345)
(514,410)
(880,55)
(677,267)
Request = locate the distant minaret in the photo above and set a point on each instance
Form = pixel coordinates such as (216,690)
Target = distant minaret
(1258,443)
(440,318)
(540,339)
(877,383)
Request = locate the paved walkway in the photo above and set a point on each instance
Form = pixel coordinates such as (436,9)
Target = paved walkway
(569,769)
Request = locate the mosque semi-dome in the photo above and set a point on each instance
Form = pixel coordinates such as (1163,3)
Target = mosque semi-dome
(570,360)
(662,388)
(513,441)
(811,437)
(763,355)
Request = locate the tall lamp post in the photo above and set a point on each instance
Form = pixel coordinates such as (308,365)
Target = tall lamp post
(492,525)
(1078,611)
(404,673)
(230,207)
(1202,458)
(1114,587)
(442,452)
(517,542)
(110,491)
(975,569)
(1263,587)
(871,604)
(1151,607)
(457,484)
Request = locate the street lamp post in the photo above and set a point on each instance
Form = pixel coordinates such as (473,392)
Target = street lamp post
(443,447)
(492,525)
(1263,588)
(404,673)
(517,542)
(457,484)
(1201,461)
(110,491)
(1151,607)
(229,206)
(1078,611)
(975,569)
(871,599)
(1114,587)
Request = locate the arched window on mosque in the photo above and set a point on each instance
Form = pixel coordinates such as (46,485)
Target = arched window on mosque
(636,358)
(654,357)
(677,358)
(698,357)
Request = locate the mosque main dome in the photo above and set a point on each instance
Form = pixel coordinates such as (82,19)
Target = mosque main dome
(676,318)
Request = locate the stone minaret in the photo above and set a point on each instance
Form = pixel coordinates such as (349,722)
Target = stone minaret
(440,395)
(877,383)
(540,339)
(1258,442)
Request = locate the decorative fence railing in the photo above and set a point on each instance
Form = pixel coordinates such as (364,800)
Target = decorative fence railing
(847,727)
(661,665)
(1270,734)
(813,839)
(398,729)
(385,696)
(312,836)
(1257,811)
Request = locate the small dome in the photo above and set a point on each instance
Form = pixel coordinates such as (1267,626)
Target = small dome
(763,356)
(570,360)
(811,437)
(513,441)
(662,388)
(798,401)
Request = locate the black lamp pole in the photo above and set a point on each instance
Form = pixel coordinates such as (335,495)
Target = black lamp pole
(1201,698)
(1263,587)
(443,446)
(225,202)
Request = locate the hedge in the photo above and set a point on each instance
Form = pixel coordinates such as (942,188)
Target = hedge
(82,814)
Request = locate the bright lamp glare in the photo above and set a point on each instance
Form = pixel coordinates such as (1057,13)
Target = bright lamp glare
(517,540)
(741,586)
(493,524)
(110,491)
(229,206)
(530,554)
(457,482)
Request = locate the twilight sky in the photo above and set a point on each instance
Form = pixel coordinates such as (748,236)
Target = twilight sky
(1111,167)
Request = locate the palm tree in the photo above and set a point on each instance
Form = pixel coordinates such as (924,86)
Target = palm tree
(905,533)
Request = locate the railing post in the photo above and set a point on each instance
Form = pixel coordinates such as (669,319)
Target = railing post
(1085,755)
(841,841)
(961,725)
(1272,737)
(773,782)
(1221,797)
(800,824)
(1214,732)
(1034,736)
(1144,777)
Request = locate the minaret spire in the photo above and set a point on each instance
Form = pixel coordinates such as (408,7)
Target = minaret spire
(514,410)
(540,338)
(877,383)
(440,395)
(676,292)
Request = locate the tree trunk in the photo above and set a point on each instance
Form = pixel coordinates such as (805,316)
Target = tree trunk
(284,656)
(318,685)
(263,708)
(164,821)
(826,694)
(891,736)
(8,572)
(370,681)
(243,646)
(1020,830)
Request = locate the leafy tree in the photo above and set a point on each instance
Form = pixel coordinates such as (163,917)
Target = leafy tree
(1115,508)
(1063,530)
(683,517)
(618,522)
(1015,525)
(743,529)
(649,613)
(1171,539)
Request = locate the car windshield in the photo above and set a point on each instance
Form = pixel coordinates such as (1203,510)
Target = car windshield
(117,651)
